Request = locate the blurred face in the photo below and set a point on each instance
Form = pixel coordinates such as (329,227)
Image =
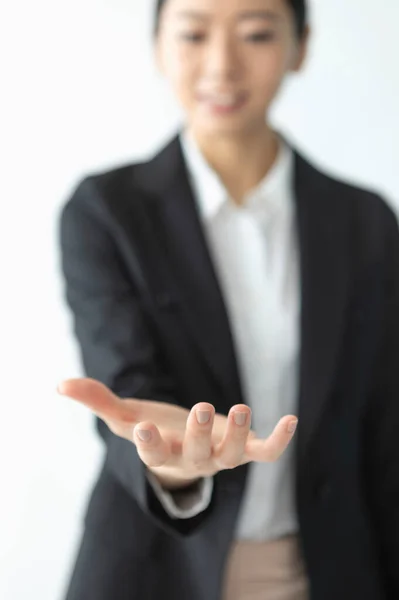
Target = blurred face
(226,59)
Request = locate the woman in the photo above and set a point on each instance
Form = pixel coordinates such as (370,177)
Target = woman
(228,276)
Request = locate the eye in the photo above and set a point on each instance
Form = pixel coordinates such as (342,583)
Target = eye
(260,37)
(192,37)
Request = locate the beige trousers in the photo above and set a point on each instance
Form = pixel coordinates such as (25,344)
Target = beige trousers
(266,571)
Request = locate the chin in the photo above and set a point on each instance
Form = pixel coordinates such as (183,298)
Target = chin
(226,128)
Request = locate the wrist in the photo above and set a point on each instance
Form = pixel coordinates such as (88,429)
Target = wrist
(171,482)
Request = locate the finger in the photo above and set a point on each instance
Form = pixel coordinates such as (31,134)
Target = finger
(229,452)
(152,449)
(197,442)
(100,399)
(270,449)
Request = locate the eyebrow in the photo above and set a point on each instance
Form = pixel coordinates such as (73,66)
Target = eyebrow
(191,14)
(265,15)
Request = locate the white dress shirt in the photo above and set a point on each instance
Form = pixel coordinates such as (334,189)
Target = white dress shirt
(254,249)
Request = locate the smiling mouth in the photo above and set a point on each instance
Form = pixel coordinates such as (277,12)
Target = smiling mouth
(223,103)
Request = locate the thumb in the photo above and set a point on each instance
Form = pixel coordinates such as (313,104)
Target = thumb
(99,399)
(270,449)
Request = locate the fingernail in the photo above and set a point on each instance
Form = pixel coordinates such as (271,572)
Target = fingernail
(292,426)
(203,416)
(144,435)
(240,418)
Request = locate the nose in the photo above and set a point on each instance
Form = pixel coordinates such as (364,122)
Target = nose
(222,60)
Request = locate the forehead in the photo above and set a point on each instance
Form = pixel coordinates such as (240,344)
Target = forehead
(192,9)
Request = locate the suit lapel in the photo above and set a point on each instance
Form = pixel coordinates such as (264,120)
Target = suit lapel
(178,228)
(323,232)
(324,236)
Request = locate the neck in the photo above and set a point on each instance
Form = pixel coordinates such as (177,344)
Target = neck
(241,161)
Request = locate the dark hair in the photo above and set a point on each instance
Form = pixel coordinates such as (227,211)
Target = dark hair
(299,8)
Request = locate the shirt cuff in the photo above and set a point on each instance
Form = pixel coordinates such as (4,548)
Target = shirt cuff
(183,504)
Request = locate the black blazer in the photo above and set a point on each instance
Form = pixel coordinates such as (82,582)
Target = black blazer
(151,323)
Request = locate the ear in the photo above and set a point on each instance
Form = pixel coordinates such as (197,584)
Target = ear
(301,53)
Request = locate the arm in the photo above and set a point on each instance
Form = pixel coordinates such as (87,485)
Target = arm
(115,339)
(381,425)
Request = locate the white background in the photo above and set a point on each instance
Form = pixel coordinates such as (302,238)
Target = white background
(80,93)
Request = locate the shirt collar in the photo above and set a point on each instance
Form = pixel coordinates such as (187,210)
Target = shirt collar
(270,196)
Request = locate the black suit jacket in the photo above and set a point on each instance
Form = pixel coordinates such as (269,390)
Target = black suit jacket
(151,323)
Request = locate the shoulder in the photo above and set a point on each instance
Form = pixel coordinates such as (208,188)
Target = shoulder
(101,199)
(104,192)
(91,192)
(366,204)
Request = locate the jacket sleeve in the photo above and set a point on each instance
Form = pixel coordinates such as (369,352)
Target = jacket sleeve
(117,344)
(183,504)
(382,419)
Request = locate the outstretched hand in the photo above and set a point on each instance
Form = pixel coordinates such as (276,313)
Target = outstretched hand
(178,445)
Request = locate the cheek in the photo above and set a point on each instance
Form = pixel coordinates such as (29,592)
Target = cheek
(182,74)
(269,72)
